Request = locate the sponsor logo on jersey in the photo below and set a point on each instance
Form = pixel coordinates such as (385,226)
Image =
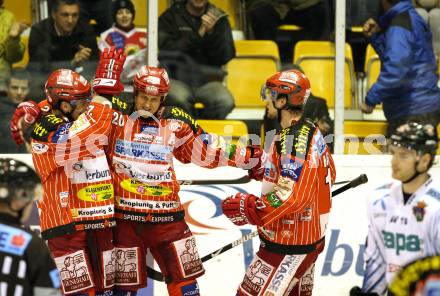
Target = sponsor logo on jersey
(302,141)
(147,204)
(109,263)
(61,133)
(319,143)
(91,170)
(74,272)
(291,168)
(148,138)
(401,242)
(274,200)
(148,174)
(142,150)
(191,289)
(269,171)
(96,193)
(79,125)
(434,193)
(284,274)
(138,187)
(284,188)
(127,269)
(306,215)
(64,198)
(39,148)
(256,277)
(188,257)
(92,212)
(13,240)
(121,104)
(149,129)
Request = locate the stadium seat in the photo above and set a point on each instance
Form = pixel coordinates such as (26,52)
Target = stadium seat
(316,58)
(235,130)
(256,60)
(23,63)
(372,66)
(364,137)
(245,78)
(289,28)
(260,48)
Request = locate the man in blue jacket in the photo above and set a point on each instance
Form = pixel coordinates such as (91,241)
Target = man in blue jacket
(407,83)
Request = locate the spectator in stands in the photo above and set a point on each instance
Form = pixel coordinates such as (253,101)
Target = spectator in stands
(313,16)
(97,10)
(195,40)
(316,109)
(61,41)
(358,12)
(123,34)
(17,91)
(407,83)
(11,48)
(430,11)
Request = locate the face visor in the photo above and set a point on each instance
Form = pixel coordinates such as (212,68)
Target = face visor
(267,93)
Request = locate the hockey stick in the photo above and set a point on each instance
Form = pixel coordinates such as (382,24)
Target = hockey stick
(158,276)
(242,180)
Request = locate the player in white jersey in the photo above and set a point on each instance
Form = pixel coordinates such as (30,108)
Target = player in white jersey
(404,215)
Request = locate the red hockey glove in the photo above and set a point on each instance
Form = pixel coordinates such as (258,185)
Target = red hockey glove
(241,209)
(29,112)
(257,172)
(109,70)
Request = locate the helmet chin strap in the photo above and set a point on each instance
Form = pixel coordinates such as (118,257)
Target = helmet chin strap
(415,175)
(19,212)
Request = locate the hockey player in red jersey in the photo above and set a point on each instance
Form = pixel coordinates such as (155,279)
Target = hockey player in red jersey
(294,206)
(147,204)
(77,209)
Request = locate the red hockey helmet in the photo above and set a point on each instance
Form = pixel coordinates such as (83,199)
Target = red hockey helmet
(292,83)
(152,81)
(66,85)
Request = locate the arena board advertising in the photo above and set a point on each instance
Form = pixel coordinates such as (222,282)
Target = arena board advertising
(338,268)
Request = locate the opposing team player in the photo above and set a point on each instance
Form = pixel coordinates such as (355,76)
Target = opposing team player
(27,267)
(148,208)
(293,210)
(77,209)
(404,215)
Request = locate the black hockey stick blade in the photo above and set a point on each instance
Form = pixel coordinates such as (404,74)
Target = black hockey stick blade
(158,276)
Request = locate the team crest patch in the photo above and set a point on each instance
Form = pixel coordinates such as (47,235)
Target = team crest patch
(419,211)
(74,272)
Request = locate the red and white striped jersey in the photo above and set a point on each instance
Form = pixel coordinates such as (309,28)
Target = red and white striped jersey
(70,160)
(132,41)
(141,153)
(296,197)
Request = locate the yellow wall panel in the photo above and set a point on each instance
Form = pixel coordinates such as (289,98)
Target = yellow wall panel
(21,9)
(141,11)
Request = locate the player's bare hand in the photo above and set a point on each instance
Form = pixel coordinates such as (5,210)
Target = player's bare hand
(370,27)
(83,54)
(367,109)
(17,28)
